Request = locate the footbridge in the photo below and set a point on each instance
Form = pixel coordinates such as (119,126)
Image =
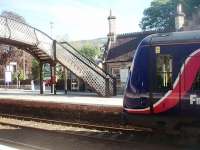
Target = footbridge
(47,50)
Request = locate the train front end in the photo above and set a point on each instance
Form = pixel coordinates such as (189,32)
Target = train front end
(136,96)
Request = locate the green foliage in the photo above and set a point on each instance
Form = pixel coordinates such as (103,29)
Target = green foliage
(14,16)
(21,75)
(35,70)
(161,14)
(14,76)
(190,6)
(90,51)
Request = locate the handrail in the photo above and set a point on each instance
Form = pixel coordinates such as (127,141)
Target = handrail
(65,42)
(81,60)
(37,43)
(91,61)
(8,27)
(28,26)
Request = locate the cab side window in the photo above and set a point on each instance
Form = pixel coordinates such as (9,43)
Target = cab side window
(163,72)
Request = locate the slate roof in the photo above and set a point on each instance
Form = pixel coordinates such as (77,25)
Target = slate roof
(125,44)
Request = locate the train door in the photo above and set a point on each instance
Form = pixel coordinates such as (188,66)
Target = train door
(163,76)
(190,86)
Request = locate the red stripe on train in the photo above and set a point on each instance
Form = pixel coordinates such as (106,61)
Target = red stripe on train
(183,85)
(138,111)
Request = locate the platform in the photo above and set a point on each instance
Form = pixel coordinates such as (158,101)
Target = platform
(74,105)
(70,97)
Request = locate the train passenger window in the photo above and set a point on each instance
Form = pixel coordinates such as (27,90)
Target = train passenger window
(164,72)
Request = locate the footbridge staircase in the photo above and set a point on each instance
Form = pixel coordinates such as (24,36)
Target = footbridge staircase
(47,50)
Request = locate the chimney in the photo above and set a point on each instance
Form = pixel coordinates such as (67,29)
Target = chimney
(112,27)
(180,18)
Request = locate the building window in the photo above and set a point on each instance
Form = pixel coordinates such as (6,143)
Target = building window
(164,72)
(74,84)
(14,68)
(116,72)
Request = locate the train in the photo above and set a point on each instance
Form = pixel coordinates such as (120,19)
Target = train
(164,79)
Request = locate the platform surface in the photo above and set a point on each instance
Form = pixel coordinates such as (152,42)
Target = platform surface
(71,97)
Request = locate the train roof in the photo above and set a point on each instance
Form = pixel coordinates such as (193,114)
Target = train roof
(173,37)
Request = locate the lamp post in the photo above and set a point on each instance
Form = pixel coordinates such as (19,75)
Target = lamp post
(51,28)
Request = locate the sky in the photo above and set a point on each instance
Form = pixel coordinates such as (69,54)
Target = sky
(78,19)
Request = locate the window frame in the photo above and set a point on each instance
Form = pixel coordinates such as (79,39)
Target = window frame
(162,87)
(114,74)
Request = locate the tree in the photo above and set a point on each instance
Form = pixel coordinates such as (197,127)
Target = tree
(90,51)
(20,75)
(161,14)
(10,53)
(13,16)
(35,70)
(190,7)
(5,54)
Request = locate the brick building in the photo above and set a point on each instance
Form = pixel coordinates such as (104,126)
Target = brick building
(17,59)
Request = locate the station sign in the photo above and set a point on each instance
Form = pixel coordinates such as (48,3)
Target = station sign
(194,100)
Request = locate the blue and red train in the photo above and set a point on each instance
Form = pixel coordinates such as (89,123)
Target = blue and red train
(164,79)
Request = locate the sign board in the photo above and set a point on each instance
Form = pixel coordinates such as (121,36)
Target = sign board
(8,76)
(123,75)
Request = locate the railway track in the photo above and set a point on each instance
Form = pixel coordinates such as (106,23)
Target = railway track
(80,125)
(98,137)
(101,133)
(92,132)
